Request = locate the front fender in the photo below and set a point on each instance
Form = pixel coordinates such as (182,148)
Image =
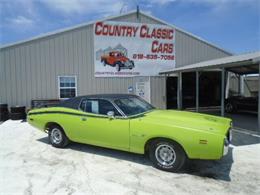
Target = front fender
(197,144)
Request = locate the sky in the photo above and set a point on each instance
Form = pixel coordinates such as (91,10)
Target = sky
(230,24)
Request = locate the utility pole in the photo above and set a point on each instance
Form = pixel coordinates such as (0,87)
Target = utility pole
(137,11)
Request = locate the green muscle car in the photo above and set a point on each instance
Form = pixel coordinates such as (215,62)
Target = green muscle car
(126,122)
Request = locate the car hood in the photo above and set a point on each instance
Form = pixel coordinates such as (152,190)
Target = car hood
(190,120)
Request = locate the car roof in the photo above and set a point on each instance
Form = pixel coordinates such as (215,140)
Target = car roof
(74,102)
(108,96)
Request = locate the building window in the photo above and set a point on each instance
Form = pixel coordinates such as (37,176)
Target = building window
(67,87)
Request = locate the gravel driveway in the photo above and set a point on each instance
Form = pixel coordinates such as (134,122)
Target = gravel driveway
(29,165)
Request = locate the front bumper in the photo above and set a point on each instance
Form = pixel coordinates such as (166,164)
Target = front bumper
(128,64)
(225,149)
(227,142)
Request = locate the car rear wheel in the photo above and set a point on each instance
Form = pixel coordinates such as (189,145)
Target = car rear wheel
(57,137)
(229,107)
(167,155)
(104,62)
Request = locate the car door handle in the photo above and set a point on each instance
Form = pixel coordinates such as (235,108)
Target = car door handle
(83,119)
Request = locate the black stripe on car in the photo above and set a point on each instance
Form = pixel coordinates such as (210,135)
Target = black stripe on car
(61,112)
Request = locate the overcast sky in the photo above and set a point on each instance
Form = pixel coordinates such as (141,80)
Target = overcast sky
(231,24)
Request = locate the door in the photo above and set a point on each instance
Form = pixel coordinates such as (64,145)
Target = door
(171,92)
(98,129)
(143,88)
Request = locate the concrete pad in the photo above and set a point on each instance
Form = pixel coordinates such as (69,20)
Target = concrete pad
(29,165)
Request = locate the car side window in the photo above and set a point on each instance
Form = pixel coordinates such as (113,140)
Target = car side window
(98,106)
(92,106)
(82,105)
(106,106)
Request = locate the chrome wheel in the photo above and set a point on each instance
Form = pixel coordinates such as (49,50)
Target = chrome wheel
(56,136)
(165,155)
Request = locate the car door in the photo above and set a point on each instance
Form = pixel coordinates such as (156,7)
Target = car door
(99,129)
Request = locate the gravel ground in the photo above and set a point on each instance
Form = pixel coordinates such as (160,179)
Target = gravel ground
(29,165)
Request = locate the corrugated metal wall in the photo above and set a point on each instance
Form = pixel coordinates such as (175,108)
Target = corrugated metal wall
(190,50)
(30,70)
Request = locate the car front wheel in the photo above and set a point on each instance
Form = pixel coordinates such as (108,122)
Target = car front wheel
(132,62)
(167,155)
(118,68)
(57,137)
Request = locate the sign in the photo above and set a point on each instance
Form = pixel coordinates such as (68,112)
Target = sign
(130,89)
(143,88)
(123,49)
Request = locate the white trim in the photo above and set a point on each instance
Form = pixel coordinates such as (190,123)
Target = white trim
(230,61)
(59,88)
(109,18)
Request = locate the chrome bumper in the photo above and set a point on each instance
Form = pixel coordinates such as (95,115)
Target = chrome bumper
(227,142)
(225,149)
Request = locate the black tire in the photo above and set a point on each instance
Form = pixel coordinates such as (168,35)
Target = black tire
(118,67)
(17,109)
(4,116)
(3,106)
(133,64)
(17,116)
(104,62)
(164,148)
(55,133)
(3,110)
(230,107)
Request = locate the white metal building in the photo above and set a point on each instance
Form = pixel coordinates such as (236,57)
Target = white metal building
(61,64)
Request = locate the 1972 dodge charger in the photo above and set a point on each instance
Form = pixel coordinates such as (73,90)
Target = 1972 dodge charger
(126,122)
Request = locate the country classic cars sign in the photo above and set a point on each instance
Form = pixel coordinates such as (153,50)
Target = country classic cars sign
(124,49)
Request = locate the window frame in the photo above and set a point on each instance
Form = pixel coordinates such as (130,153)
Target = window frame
(129,116)
(122,115)
(59,87)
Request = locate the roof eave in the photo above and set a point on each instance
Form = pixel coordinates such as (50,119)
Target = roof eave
(253,59)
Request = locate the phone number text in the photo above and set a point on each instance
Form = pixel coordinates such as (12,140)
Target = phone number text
(153,57)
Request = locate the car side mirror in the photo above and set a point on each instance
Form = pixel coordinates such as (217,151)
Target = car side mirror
(111,114)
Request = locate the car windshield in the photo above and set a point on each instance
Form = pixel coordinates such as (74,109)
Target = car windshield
(133,105)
